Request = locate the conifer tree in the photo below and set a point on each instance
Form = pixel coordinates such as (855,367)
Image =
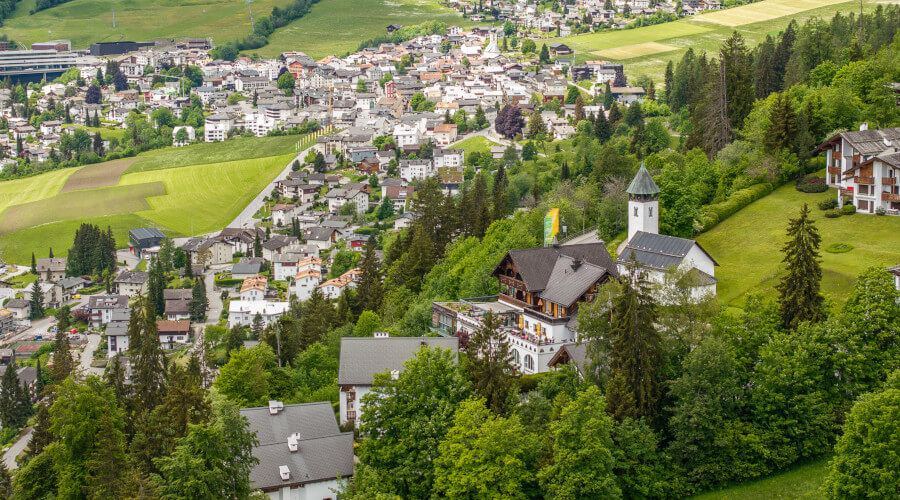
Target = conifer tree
(614,114)
(545,54)
(782,129)
(490,365)
(799,295)
(38,378)
(37,301)
(738,70)
(602,128)
(257,326)
(257,247)
(156,285)
(33,264)
(500,200)
(198,302)
(369,290)
(536,127)
(148,375)
(51,253)
(669,81)
(9,397)
(579,109)
(63,363)
(41,435)
(636,351)
(63,318)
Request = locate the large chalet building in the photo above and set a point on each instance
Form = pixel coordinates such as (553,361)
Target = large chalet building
(865,167)
(540,289)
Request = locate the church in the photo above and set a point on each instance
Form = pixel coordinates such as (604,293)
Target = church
(662,257)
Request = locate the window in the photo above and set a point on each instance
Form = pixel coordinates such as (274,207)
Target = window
(516,358)
(650,213)
(351,415)
(529,362)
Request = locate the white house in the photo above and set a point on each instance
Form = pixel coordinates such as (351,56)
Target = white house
(191,135)
(302,453)
(217,126)
(253,288)
(448,158)
(411,170)
(406,136)
(132,283)
(242,312)
(305,282)
(362,357)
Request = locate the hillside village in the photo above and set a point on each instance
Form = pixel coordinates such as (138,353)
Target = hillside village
(317,330)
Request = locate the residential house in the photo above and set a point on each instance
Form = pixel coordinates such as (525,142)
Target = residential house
(277,245)
(246,268)
(178,303)
(301,452)
(117,340)
(131,283)
(20,308)
(362,357)
(333,288)
(101,308)
(172,333)
(847,150)
(143,239)
(322,237)
(51,270)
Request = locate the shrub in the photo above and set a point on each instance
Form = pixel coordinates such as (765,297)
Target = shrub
(848,210)
(812,185)
(830,204)
(880,211)
(833,214)
(717,212)
(838,248)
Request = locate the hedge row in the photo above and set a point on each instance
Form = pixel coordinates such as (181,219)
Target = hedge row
(717,212)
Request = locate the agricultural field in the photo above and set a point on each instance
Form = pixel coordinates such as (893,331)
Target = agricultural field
(747,246)
(181,191)
(647,50)
(88,21)
(336,26)
(800,483)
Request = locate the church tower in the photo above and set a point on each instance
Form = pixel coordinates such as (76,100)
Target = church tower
(643,204)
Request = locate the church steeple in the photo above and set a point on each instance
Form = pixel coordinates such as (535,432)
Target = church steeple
(643,203)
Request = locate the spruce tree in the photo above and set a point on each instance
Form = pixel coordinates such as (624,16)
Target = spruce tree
(669,80)
(369,290)
(9,393)
(636,351)
(33,264)
(199,302)
(602,128)
(490,365)
(500,200)
(614,114)
(63,363)
(51,253)
(156,286)
(782,129)
(63,318)
(799,296)
(37,301)
(148,375)
(256,328)
(257,247)
(42,435)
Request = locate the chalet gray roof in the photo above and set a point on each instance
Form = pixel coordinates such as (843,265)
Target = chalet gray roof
(279,241)
(536,265)
(17,304)
(319,233)
(132,277)
(657,251)
(577,354)
(177,293)
(570,279)
(107,302)
(53,264)
(178,306)
(323,452)
(363,357)
(642,184)
(71,282)
(26,374)
(117,328)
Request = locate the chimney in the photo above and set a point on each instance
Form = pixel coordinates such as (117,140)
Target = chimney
(293,443)
(284,472)
(863,126)
(576,263)
(275,407)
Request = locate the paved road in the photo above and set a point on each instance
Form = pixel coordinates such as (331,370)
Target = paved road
(9,457)
(245,218)
(215,298)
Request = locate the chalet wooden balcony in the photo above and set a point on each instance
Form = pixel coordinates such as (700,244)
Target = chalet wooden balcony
(890,197)
(514,301)
(846,192)
(510,281)
(864,180)
(834,170)
(889,181)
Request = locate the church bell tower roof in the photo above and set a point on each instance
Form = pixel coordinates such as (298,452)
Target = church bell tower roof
(642,184)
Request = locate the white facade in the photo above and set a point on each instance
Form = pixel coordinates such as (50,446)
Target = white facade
(322,490)
(448,158)
(216,128)
(406,135)
(350,403)
(643,216)
(411,170)
(242,312)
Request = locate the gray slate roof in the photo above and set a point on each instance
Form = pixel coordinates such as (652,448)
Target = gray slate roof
(363,357)
(642,184)
(146,232)
(132,277)
(570,279)
(536,265)
(245,268)
(658,251)
(324,453)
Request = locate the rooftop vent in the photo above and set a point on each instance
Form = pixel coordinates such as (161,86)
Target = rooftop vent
(293,445)
(275,407)
(284,472)
(382,335)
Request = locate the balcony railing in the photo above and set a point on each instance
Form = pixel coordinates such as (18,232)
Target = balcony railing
(846,192)
(890,197)
(834,170)
(889,181)
(864,180)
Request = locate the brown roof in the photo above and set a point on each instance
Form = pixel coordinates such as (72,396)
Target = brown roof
(176,327)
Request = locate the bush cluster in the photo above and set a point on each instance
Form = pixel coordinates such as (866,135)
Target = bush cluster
(812,185)
(717,212)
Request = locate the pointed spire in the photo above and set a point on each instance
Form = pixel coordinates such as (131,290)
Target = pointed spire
(642,184)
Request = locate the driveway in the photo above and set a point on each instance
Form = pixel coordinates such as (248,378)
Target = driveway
(87,355)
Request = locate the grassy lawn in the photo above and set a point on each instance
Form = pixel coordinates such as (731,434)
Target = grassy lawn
(209,195)
(336,26)
(801,482)
(747,245)
(240,148)
(645,51)
(203,184)
(106,133)
(88,21)
(17,246)
(473,144)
